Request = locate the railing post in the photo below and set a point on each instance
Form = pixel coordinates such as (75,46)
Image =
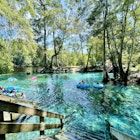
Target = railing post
(3,136)
(1,116)
(108,136)
(41,121)
(61,121)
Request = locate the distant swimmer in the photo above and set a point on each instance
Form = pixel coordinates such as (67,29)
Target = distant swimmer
(22,96)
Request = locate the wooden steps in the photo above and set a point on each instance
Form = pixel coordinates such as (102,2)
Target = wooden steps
(75,133)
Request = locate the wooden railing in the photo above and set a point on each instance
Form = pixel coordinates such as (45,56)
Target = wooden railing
(120,135)
(10,127)
(17,100)
(113,133)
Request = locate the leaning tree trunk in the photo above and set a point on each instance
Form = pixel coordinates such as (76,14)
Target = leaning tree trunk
(59,44)
(89,51)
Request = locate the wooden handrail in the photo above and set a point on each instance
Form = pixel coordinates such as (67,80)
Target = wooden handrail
(9,127)
(120,135)
(15,100)
(25,127)
(11,107)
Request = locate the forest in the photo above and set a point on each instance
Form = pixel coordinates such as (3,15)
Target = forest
(61,33)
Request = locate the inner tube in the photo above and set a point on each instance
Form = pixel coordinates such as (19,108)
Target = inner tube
(98,85)
(34,78)
(11,79)
(83,86)
(11,88)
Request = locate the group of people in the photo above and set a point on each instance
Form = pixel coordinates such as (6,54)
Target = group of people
(13,93)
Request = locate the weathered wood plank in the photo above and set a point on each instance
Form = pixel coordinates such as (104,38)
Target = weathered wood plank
(25,127)
(120,135)
(10,116)
(15,100)
(41,121)
(11,107)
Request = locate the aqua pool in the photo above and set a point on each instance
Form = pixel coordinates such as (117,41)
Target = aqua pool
(58,93)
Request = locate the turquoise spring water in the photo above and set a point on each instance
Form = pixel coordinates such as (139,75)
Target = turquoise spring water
(89,108)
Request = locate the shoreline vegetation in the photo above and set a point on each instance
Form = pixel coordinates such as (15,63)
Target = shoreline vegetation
(79,36)
(133,79)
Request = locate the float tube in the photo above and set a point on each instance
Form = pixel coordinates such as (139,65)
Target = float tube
(34,78)
(98,85)
(11,79)
(13,87)
(83,86)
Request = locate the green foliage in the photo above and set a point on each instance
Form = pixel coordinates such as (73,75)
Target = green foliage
(6,64)
(38,58)
(23,52)
(13,19)
(95,47)
(66,34)
(138,67)
(17,43)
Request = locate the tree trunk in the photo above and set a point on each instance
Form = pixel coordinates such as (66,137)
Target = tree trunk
(44,39)
(56,52)
(123,75)
(112,57)
(105,74)
(89,51)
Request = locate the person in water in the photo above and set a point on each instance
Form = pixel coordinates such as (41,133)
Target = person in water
(22,95)
(82,82)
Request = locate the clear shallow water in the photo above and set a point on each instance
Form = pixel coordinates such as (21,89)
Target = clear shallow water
(89,108)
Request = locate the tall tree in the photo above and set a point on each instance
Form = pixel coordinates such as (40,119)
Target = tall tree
(123,37)
(39,25)
(59,30)
(98,19)
(105,14)
(15,25)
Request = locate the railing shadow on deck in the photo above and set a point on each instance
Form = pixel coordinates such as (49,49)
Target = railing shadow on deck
(8,104)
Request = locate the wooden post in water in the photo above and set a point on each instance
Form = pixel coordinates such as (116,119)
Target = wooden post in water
(41,121)
(2,137)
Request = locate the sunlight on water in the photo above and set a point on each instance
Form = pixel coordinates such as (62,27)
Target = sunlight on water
(88,108)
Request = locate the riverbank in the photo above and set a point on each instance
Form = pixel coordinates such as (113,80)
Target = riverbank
(134,78)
